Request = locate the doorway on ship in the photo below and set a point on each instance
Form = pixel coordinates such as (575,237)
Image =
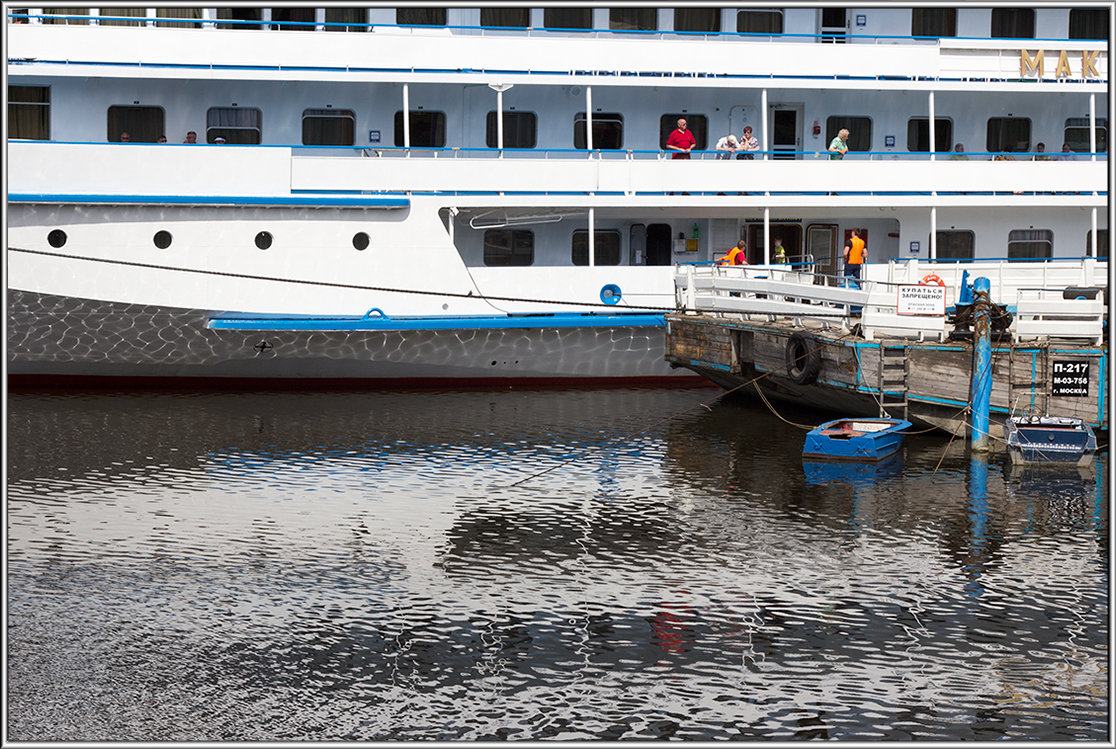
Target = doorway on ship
(658,244)
(833,24)
(821,245)
(786,130)
(791,234)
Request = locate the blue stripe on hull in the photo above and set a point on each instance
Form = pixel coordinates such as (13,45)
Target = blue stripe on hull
(478,322)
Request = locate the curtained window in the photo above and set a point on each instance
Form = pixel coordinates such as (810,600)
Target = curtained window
(956,245)
(143,124)
(1013,23)
(1077,134)
(936,22)
(759,22)
(328,127)
(292,19)
(860,131)
(697,19)
(358,17)
(568,18)
(1102,243)
(241,16)
(192,14)
(1030,244)
(633,19)
(109,16)
(1011,134)
(61,13)
(236,125)
(606,247)
(428,129)
(520,129)
(420,16)
(608,131)
(918,134)
(1088,23)
(519,18)
(29,112)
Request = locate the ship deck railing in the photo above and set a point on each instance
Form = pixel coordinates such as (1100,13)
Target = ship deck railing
(1064,300)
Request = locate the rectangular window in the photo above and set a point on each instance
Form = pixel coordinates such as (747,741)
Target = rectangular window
(608,131)
(606,247)
(568,18)
(328,127)
(759,22)
(292,19)
(520,129)
(358,17)
(117,16)
(428,129)
(508,247)
(29,112)
(517,18)
(698,124)
(918,134)
(1102,244)
(420,16)
(834,25)
(633,19)
(142,124)
(1030,244)
(235,124)
(956,245)
(191,16)
(697,19)
(1013,23)
(936,22)
(860,131)
(79,16)
(1088,23)
(242,18)
(1077,134)
(1011,134)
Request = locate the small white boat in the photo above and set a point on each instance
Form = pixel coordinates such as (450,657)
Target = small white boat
(1049,439)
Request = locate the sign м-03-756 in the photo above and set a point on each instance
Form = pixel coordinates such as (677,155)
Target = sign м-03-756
(1028,64)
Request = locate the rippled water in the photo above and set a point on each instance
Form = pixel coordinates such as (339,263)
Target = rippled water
(619,564)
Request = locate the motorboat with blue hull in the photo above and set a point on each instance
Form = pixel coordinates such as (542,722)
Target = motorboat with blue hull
(1049,439)
(867,439)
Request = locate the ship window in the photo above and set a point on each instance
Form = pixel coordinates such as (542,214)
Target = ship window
(67,15)
(956,245)
(633,19)
(56,238)
(29,112)
(520,129)
(506,17)
(568,18)
(357,17)
(608,130)
(292,19)
(697,19)
(192,14)
(117,16)
(1102,243)
(606,247)
(1011,134)
(328,127)
(506,247)
(860,131)
(420,16)
(759,21)
(1088,23)
(143,124)
(698,124)
(240,16)
(360,240)
(263,240)
(1077,134)
(1030,244)
(1013,23)
(918,134)
(935,22)
(236,125)
(162,239)
(428,129)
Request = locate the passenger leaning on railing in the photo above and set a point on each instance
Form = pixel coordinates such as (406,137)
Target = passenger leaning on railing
(738,255)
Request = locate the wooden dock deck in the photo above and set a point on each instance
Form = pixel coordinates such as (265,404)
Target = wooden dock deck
(807,345)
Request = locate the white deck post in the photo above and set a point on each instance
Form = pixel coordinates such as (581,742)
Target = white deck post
(766,235)
(589,120)
(763,124)
(407,118)
(1093,126)
(592,233)
(500,120)
(934,232)
(1093,236)
(933,141)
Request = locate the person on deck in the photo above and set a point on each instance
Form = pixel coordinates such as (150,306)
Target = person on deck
(854,257)
(681,140)
(738,255)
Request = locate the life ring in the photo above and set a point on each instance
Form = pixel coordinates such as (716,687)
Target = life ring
(931,279)
(803,358)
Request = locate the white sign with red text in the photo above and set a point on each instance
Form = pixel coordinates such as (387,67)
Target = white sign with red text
(916,299)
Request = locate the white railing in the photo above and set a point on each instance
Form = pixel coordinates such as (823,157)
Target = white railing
(1061,299)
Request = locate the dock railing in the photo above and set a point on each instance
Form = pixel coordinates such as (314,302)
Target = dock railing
(1057,299)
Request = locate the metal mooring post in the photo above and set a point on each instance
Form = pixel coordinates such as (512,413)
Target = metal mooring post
(982,364)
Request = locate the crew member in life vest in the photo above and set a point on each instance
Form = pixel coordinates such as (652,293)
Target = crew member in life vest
(854,257)
(738,255)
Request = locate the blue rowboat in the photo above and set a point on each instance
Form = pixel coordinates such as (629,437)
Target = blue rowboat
(1049,439)
(855,439)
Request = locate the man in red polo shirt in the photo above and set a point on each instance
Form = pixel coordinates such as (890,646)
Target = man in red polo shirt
(681,140)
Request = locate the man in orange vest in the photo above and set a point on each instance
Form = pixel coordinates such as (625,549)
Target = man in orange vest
(854,257)
(738,255)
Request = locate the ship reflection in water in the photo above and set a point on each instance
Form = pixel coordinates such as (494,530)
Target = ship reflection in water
(373,566)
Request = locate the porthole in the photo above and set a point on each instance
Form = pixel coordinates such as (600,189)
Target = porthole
(162,239)
(360,240)
(263,240)
(57,238)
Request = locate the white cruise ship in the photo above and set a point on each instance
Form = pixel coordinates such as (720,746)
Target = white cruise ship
(487,194)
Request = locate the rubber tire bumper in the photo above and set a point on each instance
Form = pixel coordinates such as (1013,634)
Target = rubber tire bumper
(803,358)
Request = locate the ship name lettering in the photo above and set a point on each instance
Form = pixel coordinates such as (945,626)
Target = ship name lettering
(1037,64)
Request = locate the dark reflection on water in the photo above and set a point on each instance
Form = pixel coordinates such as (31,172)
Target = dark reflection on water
(373,566)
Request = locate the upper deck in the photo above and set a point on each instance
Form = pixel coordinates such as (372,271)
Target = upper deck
(878,50)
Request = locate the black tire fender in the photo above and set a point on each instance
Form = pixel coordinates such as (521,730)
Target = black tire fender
(803,358)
